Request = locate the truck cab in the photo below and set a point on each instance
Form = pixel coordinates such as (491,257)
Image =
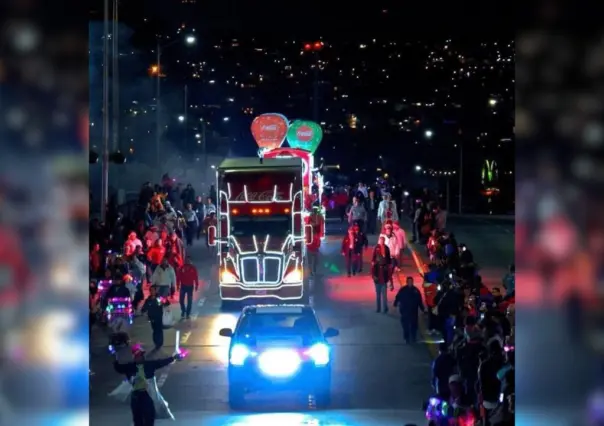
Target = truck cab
(260,234)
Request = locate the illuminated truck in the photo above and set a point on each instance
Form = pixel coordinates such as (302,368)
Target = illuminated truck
(260,231)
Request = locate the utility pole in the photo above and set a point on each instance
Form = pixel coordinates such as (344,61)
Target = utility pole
(105,171)
(158,126)
(460,175)
(204,148)
(448,194)
(115,80)
(186,115)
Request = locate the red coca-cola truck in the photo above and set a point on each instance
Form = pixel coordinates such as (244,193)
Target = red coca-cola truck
(260,233)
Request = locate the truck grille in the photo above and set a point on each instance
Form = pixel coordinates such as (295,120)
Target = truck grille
(272,270)
(261,270)
(249,270)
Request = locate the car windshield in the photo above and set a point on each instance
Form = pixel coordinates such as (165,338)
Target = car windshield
(246,226)
(302,325)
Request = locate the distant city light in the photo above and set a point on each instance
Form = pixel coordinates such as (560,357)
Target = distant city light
(428,133)
(181,118)
(418,168)
(406,194)
(198,135)
(191,39)
(212,166)
(492,102)
(225,119)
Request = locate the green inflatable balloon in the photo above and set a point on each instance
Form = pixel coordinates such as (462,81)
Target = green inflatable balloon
(306,135)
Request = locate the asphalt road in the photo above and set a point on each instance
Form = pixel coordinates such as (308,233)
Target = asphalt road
(377,379)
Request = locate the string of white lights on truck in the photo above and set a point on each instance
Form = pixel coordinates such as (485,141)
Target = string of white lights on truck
(294,278)
(274,199)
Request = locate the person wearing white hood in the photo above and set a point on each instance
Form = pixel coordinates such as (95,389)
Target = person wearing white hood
(387,210)
(131,244)
(393,244)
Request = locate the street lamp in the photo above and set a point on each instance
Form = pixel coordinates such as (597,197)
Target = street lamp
(492,102)
(156,70)
(428,133)
(181,118)
(418,168)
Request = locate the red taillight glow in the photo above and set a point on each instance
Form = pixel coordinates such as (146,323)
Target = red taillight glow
(235,211)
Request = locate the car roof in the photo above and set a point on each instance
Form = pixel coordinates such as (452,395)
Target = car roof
(278,309)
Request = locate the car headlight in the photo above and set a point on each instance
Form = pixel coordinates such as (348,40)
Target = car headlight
(239,354)
(227,277)
(319,353)
(294,276)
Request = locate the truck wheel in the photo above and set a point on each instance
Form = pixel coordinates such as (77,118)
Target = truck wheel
(236,397)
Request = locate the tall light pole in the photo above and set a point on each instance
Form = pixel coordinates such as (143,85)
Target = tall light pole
(105,165)
(157,70)
(186,112)
(460,175)
(315,48)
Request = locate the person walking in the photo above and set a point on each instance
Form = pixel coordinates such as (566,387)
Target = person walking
(187,281)
(154,308)
(409,302)
(381,272)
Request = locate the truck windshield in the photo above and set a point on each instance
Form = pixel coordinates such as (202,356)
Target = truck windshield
(246,226)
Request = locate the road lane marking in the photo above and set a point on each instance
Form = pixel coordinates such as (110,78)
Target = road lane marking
(432,347)
(200,304)
(185,338)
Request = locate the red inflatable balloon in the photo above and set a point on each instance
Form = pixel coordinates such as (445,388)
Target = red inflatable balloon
(269,130)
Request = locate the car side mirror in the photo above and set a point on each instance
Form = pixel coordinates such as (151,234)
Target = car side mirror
(226,332)
(331,332)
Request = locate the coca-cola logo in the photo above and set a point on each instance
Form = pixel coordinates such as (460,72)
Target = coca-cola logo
(265,196)
(304,134)
(270,127)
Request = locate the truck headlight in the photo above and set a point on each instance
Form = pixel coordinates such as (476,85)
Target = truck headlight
(227,277)
(294,276)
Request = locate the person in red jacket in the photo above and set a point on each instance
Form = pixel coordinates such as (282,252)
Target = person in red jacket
(156,254)
(96,261)
(187,281)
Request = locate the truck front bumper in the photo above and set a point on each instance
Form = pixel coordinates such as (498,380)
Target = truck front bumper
(240,292)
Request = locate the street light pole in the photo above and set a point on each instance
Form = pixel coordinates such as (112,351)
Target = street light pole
(460,175)
(105,166)
(448,193)
(158,108)
(186,112)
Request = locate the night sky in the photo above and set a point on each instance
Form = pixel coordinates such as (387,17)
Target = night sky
(386,80)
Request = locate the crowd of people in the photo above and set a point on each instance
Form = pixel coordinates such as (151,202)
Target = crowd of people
(474,370)
(142,259)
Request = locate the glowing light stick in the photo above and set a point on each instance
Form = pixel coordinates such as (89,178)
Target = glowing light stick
(177,344)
